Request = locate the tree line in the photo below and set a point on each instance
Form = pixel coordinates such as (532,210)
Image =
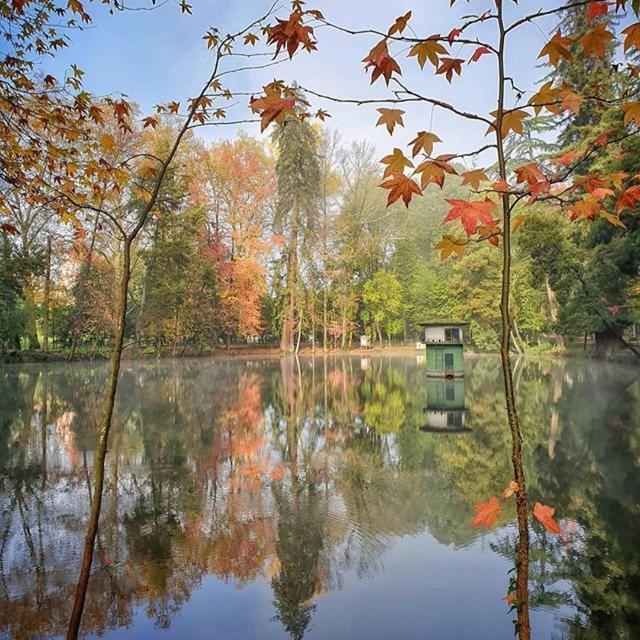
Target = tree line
(289,239)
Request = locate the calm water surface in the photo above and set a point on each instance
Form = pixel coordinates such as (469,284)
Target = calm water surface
(327,499)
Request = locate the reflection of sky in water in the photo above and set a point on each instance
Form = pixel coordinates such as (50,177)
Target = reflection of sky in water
(273,500)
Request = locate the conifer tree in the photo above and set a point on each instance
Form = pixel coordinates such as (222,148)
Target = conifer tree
(297,210)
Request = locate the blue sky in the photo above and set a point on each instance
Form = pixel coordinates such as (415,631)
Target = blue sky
(157,56)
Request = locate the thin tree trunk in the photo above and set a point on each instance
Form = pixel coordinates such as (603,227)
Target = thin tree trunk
(325,329)
(518,342)
(30,308)
(47,299)
(85,274)
(522,508)
(288,324)
(101,449)
(116,356)
(299,334)
(553,311)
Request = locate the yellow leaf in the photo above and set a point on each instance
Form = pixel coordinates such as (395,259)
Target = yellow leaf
(428,50)
(450,245)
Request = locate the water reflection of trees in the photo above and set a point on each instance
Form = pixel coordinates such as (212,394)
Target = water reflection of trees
(296,472)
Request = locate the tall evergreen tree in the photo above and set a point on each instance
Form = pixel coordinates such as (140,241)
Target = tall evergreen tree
(297,211)
(586,75)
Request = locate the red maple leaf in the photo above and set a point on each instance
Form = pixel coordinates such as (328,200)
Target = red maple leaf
(471,213)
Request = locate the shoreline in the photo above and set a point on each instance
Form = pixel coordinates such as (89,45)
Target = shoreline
(250,351)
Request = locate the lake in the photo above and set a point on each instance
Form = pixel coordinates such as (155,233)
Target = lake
(326,498)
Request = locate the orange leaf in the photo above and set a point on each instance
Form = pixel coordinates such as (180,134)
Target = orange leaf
(595,41)
(629,199)
(401,187)
(400,24)
(632,36)
(500,187)
(557,48)
(390,118)
(424,141)
(272,107)
(544,515)
(291,34)
(396,163)
(567,158)
(512,487)
(530,173)
(631,112)
(381,62)
(433,171)
(486,513)
(473,177)
(511,121)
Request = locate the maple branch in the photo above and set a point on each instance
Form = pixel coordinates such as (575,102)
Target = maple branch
(444,105)
(359,101)
(140,155)
(463,243)
(474,153)
(478,19)
(90,207)
(250,68)
(415,40)
(223,122)
(542,13)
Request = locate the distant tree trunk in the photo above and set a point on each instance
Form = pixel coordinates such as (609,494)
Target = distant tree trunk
(47,297)
(288,323)
(607,341)
(30,309)
(325,329)
(518,343)
(553,311)
(85,273)
(299,334)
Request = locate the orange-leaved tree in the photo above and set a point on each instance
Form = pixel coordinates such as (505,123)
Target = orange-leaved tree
(64,158)
(497,207)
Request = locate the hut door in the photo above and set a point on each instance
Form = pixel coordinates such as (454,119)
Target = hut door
(448,361)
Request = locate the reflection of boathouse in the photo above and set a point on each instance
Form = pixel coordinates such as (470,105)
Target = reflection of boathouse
(444,342)
(445,411)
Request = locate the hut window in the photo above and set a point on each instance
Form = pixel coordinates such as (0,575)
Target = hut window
(452,335)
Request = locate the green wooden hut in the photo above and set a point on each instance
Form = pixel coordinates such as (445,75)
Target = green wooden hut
(444,342)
